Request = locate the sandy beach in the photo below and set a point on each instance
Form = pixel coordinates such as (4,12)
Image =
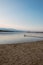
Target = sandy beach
(30,53)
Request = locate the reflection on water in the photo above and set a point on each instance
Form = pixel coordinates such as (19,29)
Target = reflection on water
(17,37)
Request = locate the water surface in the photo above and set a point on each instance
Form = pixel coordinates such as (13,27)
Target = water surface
(18,37)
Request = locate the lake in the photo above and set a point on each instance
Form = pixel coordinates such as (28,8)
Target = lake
(18,37)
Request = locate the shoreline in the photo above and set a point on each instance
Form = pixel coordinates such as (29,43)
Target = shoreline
(27,53)
(13,43)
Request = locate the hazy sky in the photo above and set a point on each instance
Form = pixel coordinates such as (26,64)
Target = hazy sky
(21,14)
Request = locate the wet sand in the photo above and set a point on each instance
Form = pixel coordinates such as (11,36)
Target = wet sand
(30,53)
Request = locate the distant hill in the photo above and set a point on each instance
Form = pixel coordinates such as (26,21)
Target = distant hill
(10,30)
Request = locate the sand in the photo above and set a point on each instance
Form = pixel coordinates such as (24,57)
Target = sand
(30,53)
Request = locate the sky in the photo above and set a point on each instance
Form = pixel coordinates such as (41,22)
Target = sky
(21,14)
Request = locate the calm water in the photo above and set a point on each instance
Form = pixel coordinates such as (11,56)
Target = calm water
(7,37)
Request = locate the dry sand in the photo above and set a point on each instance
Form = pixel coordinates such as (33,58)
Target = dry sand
(22,54)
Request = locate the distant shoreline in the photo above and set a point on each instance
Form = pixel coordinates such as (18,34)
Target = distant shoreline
(6,31)
(9,31)
(34,32)
(20,31)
